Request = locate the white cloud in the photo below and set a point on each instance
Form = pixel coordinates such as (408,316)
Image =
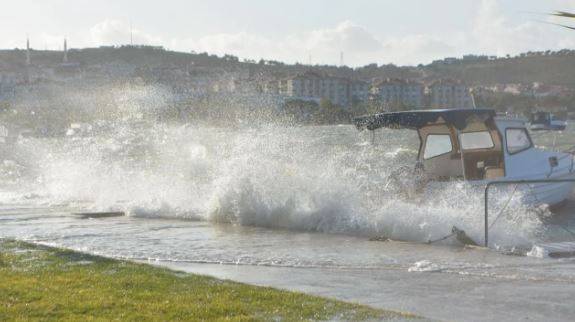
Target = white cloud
(490,27)
(489,32)
(241,44)
(493,33)
(414,49)
(325,45)
(321,44)
(116,32)
(565,5)
(346,36)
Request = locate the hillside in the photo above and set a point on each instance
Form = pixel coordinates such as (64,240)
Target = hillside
(553,68)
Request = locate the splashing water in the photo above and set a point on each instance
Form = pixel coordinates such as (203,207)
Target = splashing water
(319,179)
(327,179)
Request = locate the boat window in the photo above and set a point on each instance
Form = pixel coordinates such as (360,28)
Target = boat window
(517,140)
(437,145)
(476,140)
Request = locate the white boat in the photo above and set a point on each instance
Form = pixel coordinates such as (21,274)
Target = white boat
(545,121)
(478,146)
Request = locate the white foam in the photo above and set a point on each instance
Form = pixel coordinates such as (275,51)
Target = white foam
(425,266)
(311,179)
(538,252)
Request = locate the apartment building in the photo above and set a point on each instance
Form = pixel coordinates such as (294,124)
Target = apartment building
(399,93)
(449,94)
(314,86)
(359,91)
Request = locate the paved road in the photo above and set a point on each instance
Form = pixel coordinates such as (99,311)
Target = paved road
(444,296)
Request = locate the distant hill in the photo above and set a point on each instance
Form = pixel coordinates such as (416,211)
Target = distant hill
(554,68)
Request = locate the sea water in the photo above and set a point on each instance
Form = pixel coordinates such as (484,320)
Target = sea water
(294,199)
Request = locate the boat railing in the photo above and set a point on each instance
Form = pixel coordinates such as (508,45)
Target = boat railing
(511,182)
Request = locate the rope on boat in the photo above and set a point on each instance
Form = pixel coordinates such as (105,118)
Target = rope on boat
(459,234)
(507,204)
(504,207)
(442,238)
(567,229)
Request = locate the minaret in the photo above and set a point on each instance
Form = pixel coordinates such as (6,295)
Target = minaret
(28,61)
(65,59)
(28,51)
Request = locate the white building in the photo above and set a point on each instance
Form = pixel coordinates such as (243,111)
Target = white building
(449,94)
(313,86)
(359,91)
(399,93)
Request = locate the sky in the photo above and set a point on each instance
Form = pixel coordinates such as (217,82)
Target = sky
(402,32)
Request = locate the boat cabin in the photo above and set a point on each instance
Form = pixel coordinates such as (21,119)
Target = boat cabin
(545,121)
(541,118)
(469,144)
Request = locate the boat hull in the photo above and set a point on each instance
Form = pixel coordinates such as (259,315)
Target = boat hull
(532,195)
(552,194)
(538,194)
(552,126)
(549,128)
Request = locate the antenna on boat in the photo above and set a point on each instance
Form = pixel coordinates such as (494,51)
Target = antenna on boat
(472,94)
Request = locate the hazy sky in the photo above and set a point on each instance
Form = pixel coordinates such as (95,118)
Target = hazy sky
(367,31)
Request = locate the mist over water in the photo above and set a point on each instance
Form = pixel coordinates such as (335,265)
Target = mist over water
(327,179)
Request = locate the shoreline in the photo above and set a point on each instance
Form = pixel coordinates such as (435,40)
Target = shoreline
(52,283)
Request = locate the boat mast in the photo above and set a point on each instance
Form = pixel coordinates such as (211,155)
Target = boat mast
(455,132)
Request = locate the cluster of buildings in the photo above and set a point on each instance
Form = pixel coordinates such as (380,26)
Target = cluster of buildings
(409,94)
(464,59)
(313,86)
(390,93)
(449,94)
(200,82)
(535,90)
(397,93)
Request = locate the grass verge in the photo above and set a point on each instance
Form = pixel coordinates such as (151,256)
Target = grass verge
(38,282)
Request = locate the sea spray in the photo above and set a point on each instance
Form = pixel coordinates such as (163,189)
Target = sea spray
(321,179)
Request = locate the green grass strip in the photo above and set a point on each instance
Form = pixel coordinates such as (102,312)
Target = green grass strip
(43,283)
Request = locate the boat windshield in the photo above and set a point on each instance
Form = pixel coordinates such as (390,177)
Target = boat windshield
(437,144)
(476,140)
(473,153)
(517,140)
